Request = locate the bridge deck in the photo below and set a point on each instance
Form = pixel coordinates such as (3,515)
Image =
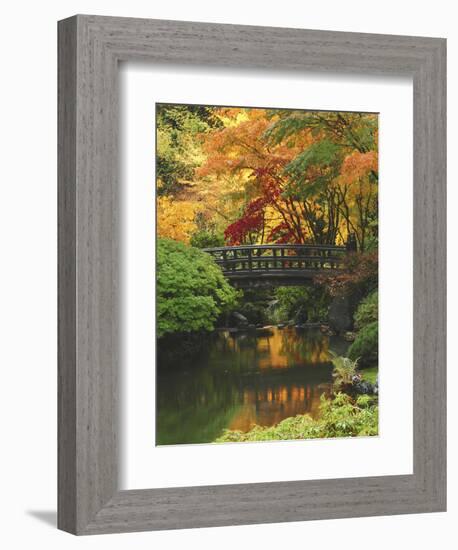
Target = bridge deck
(278,262)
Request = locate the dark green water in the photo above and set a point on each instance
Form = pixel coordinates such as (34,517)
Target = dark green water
(241,379)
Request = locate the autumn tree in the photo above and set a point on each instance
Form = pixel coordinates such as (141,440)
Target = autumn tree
(240,149)
(310,177)
(260,176)
(179,152)
(352,145)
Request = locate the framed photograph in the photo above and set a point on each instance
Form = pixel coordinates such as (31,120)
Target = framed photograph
(251,275)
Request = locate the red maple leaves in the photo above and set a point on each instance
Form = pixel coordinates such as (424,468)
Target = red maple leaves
(251,221)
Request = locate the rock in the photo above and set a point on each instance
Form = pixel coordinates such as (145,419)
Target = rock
(349,336)
(251,326)
(281,325)
(356,379)
(361,386)
(327,330)
(301,316)
(240,320)
(340,314)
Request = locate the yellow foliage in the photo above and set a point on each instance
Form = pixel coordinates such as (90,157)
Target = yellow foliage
(176,218)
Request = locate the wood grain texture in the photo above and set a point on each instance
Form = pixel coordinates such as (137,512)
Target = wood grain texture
(90,48)
(67,436)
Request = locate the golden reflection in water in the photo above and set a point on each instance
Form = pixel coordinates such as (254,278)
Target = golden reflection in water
(283,348)
(269,406)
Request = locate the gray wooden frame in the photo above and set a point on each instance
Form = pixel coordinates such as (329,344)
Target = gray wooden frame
(90,48)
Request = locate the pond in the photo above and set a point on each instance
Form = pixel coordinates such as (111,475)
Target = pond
(242,378)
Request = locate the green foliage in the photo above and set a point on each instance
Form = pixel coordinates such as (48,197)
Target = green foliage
(321,154)
(371,244)
(177,153)
(181,117)
(370,374)
(254,305)
(346,129)
(365,347)
(295,301)
(364,401)
(191,289)
(340,417)
(367,311)
(289,124)
(255,312)
(344,370)
(206,239)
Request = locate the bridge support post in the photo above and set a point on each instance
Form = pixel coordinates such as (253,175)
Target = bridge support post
(352,244)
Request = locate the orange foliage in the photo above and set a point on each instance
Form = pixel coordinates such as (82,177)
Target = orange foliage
(358,165)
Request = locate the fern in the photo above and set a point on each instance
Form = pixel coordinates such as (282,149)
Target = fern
(344,370)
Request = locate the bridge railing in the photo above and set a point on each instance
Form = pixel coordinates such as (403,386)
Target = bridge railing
(277,257)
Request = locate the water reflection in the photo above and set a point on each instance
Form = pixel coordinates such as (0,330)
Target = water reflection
(242,379)
(271,405)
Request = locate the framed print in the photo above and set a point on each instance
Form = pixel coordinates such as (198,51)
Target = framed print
(265,205)
(251,275)
(286,378)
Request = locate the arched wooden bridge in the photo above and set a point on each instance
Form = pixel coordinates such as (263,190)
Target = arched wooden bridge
(278,264)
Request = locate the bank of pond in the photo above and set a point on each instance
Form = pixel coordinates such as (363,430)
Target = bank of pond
(264,383)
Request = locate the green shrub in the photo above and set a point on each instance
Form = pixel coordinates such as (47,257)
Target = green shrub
(370,374)
(255,312)
(365,347)
(340,417)
(191,289)
(297,301)
(367,311)
(206,239)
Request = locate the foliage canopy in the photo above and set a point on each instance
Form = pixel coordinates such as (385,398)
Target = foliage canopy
(268,176)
